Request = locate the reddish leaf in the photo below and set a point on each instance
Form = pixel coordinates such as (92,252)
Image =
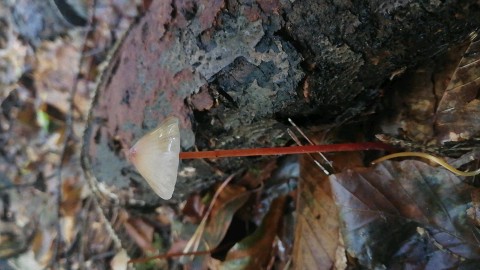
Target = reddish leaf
(400,213)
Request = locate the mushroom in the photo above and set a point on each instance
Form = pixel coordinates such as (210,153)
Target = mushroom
(156,158)
(156,155)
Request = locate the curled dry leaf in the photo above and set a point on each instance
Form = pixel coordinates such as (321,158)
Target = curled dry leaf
(405,213)
(255,251)
(228,202)
(213,227)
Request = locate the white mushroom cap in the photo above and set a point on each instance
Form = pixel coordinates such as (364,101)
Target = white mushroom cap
(156,157)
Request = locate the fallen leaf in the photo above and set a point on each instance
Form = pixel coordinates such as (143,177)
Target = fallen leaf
(13,240)
(474,211)
(208,235)
(26,260)
(255,251)
(71,196)
(384,208)
(165,215)
(318,243)
(412,105)
(230,200)
(458,110)
(55,73)
(68,226)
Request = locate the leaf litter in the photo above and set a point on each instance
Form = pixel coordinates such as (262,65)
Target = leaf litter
(396,214)
(382,207)
(35,106)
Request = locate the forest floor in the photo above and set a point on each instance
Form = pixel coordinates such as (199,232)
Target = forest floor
(409,212)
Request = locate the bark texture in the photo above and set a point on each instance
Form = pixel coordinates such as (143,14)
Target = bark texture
(233,71)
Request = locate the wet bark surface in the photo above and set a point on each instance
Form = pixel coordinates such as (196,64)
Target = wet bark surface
(234,71)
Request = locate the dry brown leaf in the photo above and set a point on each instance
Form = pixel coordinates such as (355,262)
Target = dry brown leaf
(317,227)
(458,111)
(227,199)
(412,106)
(165,215)
(317,234)
(474,211)
(68,226)
(57,68)
(255,251)
(230,200)
(71,196)
(406,213)
(413,110)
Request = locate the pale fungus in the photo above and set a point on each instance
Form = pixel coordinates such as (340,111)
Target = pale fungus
(155,156)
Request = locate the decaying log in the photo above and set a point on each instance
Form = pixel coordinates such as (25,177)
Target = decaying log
(233,71)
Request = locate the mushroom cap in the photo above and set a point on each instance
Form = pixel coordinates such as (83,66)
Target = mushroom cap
(156,157)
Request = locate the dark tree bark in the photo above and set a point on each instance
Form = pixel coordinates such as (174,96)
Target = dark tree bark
(234,71)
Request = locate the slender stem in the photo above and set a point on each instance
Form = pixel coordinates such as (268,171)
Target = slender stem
(342,147)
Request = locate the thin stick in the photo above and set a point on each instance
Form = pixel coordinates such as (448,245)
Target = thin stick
(435,159)
(270,151)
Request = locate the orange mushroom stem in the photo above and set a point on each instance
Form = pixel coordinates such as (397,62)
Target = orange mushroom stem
(269,151)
